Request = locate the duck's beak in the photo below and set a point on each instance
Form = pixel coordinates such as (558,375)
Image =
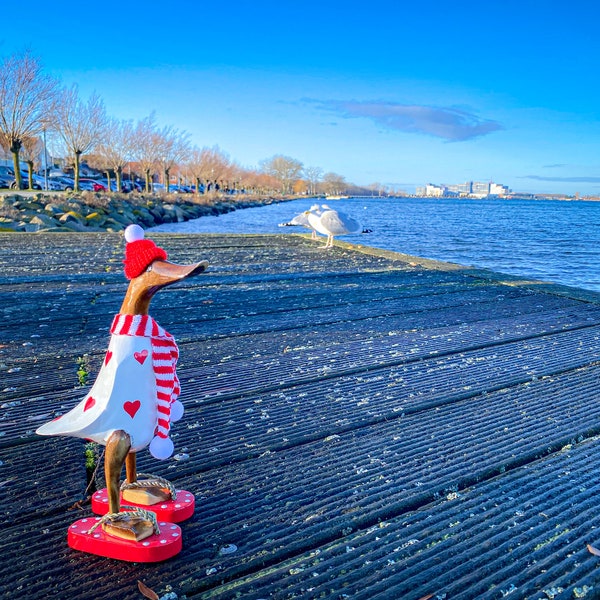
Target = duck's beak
(158,275)
(167,272)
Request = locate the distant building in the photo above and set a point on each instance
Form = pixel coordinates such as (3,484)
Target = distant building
(470,189)
(435,191)
(460,189)
(480,189)
(497,189)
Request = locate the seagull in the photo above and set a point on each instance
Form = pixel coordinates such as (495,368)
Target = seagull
(302,219)
(331,223)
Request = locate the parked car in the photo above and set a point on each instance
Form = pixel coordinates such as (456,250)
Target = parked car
(5,182)
(91,185)
(25,183)
(52,184)
(62,182)
(104,182)
(8,174)
(180,189)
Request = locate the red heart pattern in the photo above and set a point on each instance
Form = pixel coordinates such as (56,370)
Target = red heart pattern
(107,357)
(141,356)
(131,407)
(89,403)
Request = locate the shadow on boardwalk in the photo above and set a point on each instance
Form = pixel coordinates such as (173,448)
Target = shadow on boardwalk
(358,424)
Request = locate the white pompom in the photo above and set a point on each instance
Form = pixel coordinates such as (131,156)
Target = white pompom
(133,233)
(176,411)
(161,448)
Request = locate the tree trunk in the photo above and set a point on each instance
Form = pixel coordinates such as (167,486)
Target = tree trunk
(30,174)
(119,177)
(198,186)
(108,181)
(167,177)
(77,159)
(15,147)
(147,173)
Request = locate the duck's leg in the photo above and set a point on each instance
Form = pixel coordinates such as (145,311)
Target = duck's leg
(117,449)
(131,468)
(123,525)
(147,491)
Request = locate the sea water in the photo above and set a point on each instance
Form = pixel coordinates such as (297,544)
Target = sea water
(548,240)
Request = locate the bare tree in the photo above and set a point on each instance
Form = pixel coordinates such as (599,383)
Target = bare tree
(313,176)
(115,149)
(378,189)
(31,149)
(27,100)
(334,184)
(173,148)
(234,176)
(146,147)
(259,183)
(209,166)
(194,166)
(216,166)
(80,124)
(284,168)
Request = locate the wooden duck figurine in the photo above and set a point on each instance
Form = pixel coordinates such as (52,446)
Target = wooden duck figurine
(134,398)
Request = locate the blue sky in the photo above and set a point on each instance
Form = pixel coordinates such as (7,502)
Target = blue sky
(396,92)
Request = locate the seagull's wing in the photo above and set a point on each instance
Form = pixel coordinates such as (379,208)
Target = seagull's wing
(338,223)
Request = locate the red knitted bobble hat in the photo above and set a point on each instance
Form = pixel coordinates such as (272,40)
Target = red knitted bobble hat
(139,253)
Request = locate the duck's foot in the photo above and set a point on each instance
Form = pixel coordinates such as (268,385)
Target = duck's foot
(171,511)
(134,525)
(97,540)
(146,496)
(148,490)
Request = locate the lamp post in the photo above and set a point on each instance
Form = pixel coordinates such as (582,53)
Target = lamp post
(45,160)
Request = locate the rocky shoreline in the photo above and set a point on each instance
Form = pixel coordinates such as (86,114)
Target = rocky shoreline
(87,211)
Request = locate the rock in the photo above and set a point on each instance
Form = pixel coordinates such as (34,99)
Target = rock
(6,202)
(70,216)
(10,225)
(174,213)
(112,225)
(95,220)
(75,226)
(53,208)
(43,221)
(119,218)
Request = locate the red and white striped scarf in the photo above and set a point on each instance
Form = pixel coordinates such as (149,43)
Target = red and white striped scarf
(164,360)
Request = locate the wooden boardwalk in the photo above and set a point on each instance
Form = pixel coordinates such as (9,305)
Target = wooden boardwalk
(359,424)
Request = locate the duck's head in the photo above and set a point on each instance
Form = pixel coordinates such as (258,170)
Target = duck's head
(147,268)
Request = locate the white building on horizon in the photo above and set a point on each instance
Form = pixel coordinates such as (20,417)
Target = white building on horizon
(471,189)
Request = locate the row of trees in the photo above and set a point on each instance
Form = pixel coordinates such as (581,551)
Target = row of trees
(34,105)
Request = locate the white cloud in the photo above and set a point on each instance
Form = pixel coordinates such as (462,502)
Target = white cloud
(448,123)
